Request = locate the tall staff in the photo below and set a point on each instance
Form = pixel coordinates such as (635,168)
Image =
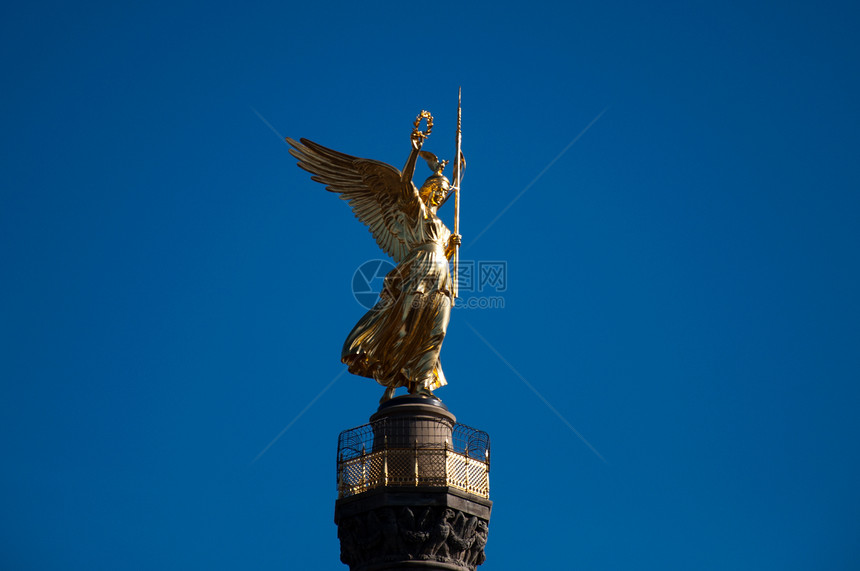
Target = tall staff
(457,176)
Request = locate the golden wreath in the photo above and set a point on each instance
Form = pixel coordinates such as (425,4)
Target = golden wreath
(429,117)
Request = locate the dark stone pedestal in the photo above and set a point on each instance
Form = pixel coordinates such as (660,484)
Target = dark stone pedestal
(413,421)
(410,527)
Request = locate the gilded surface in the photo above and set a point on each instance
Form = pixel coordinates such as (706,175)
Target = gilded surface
(397,343)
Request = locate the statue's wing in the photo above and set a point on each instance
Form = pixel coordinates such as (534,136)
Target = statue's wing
(372,188)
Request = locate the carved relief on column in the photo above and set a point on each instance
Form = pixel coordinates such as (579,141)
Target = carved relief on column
(435,533)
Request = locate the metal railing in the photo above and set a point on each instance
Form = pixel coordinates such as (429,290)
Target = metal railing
(376,455)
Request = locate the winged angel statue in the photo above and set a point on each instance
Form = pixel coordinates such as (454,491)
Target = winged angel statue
(397,342)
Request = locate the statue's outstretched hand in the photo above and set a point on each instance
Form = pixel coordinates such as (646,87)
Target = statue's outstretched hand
(455,240)
(417,139)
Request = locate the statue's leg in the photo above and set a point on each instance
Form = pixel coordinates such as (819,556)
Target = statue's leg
(422,365)
(417,388)
(388,394)
(423,391)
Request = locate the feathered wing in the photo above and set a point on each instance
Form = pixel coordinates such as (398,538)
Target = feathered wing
(373,189)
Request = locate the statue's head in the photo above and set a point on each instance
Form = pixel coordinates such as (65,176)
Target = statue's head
(434,190)
(436,187)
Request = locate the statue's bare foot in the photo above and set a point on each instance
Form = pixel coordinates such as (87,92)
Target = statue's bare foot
(387,395)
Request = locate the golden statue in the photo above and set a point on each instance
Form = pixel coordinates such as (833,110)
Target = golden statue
(397,342)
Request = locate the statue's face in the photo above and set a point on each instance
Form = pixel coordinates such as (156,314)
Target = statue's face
(437,197)
(433,192)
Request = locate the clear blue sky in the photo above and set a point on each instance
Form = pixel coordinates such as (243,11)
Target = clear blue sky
(682,282)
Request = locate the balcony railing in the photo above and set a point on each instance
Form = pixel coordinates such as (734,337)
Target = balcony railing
(376,455)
